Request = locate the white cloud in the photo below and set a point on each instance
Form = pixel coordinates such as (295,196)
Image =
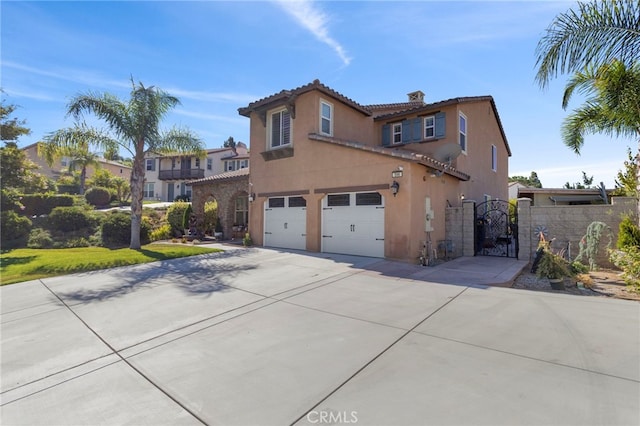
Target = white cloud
(313,19)
(236,98)
(212,117)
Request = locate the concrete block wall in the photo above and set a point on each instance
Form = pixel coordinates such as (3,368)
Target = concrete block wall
(567,225)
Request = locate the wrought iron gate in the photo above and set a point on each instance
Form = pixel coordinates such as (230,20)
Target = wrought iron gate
(496,229)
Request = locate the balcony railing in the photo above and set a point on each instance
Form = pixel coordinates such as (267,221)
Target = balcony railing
(176,174)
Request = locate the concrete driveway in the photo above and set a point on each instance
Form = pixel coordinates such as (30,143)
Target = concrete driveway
(263,337)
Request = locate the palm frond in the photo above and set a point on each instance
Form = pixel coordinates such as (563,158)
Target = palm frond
(597,33)
(181,141)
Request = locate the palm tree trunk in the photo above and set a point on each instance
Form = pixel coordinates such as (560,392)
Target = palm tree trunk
(638,184)
(83,179)
(137,188)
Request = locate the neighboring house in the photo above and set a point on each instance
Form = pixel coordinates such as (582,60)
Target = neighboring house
(55,170)
(514,187)
(169,176)
(331,175)
(565,197)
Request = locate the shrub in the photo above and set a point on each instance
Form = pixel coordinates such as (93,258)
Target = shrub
(68,188)
(39,238)
(42,204)
(161,233)
(247,241)
(15,228)
(629,261)
(116,229)
(67,219)
(175,214)
(210,217)
(182,198)
(628,234)
(98,196)
(186,217)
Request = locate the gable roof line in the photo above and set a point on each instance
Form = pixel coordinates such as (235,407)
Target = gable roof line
(452,101)
(285,95)
(397,153)
(226,176)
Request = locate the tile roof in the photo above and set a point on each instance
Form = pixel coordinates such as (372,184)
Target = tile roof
(226,176)
(394,152)
(287,95)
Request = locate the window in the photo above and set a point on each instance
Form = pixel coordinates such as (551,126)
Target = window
(229,166)
(244,164)
(148,190)
(397,133)
(276,202)
(494,158)
(368,199)
(326,118)
(241,216)
(280,129)
(297,202)
(150,164)
(197,163)
(429,127)
(462,127)
(209,163)
(338,200)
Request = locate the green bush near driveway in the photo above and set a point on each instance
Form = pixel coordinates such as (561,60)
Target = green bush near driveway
(31,264)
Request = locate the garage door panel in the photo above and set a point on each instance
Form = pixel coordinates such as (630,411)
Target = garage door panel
(353,229)
(284,226)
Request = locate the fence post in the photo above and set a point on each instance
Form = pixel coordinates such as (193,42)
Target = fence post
(468,227)
(524,229)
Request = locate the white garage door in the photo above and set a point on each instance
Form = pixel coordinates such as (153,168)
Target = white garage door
(353,223)
(285,222)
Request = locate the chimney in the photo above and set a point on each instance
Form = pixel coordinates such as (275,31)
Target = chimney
(417,96)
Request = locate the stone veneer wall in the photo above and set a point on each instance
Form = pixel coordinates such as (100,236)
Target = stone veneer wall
(225,193)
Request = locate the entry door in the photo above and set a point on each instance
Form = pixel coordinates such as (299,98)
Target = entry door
(170,196)
(353,223)
(285,222)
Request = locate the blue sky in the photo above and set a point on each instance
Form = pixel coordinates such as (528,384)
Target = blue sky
(217,56)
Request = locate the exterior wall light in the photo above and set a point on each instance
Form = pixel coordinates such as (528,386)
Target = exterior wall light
(395,187)
(252,197)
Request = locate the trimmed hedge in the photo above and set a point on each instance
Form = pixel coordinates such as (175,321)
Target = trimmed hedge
(15,228)
(68,219)
(175,215)
(39,204)
(116,229)
(98,196)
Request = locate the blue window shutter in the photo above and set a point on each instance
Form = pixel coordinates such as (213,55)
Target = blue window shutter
(416,126)
(386,135)
(440,125)
(406,131)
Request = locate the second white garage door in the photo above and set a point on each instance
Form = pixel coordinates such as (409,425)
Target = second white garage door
(285,222)
(353,223)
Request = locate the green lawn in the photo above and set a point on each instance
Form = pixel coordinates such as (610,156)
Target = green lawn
(30,264)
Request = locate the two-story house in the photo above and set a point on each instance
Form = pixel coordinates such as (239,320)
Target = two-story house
(169,176)
(55,170)
(331,175)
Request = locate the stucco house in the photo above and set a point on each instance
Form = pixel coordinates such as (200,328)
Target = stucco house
(55,170)
(331,175)
(169,176)
(566,196)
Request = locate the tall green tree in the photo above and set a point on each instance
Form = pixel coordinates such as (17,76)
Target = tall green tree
(11,128)
(626,180)
(593,34)
(532,181)
(587,183)
(135,124)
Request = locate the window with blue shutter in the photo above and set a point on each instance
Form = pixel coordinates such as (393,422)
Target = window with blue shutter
(386,135)
(440,125)
(406,132)
(416,127)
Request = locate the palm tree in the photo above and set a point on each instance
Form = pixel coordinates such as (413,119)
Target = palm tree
(74,143)
(613,105)
(135,124)
(596,34)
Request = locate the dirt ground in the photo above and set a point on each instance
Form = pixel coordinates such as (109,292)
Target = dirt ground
(601,283)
